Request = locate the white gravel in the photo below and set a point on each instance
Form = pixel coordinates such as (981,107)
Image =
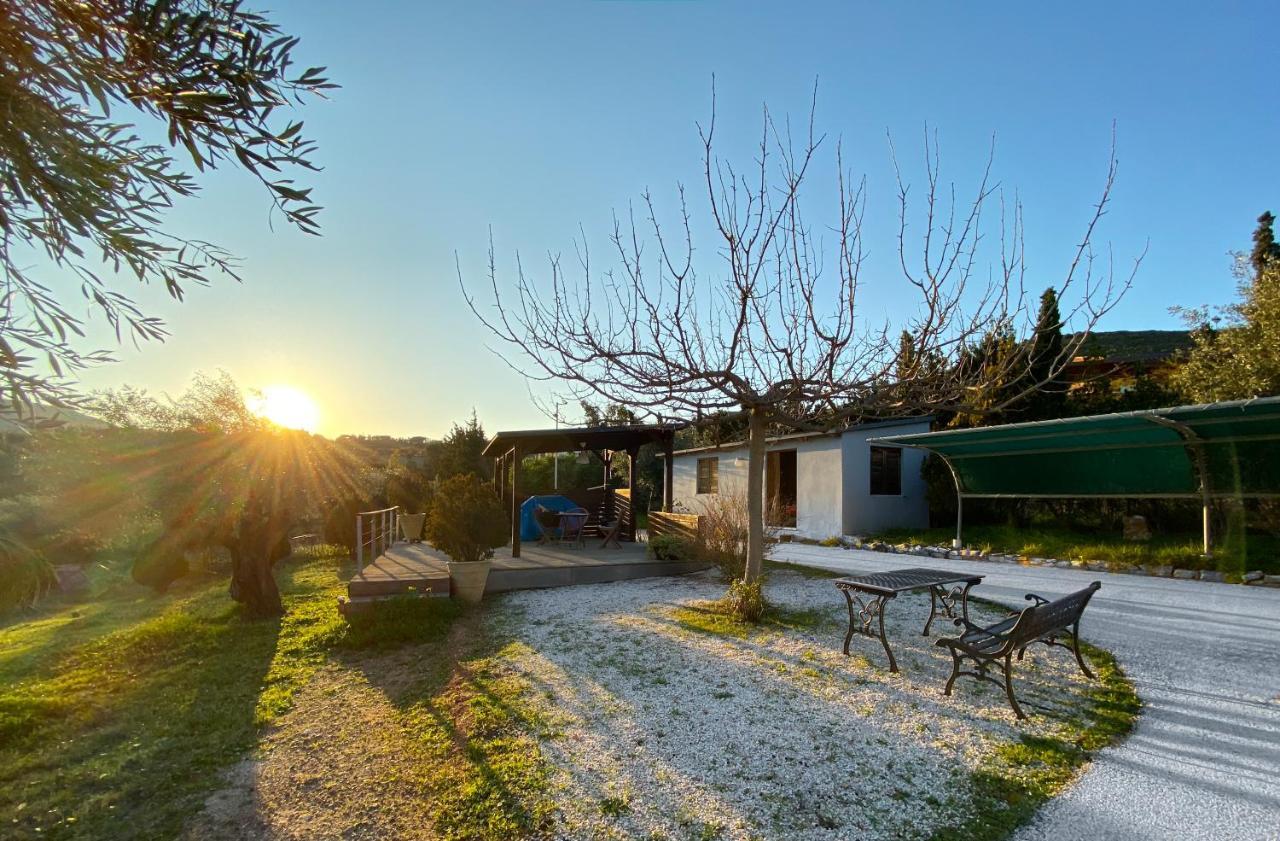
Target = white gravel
(661,731)
(1204,761)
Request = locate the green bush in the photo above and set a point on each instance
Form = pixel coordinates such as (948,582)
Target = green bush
(466,520)
(161,564)
(400,620)
(26,576)
(668,547)
(745,600)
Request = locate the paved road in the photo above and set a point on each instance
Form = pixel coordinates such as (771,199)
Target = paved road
(1204,759)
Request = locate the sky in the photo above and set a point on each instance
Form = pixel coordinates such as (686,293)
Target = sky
(538,121)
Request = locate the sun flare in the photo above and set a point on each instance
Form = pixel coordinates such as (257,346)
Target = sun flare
(286,406)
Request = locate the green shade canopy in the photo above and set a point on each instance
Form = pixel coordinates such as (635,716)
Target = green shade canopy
(1216,450)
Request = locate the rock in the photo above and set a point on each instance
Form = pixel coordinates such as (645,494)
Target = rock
(1211,575)
(72,579)
(1079,563)
(1063,564)
(1270,581)
(1158,570)
(852,541)
(1097,566)
(1188,574)
(1135,528)
(1253,575)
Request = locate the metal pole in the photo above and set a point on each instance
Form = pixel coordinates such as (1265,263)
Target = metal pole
(1208,551)
(515,503)
(359,543)
(958,542)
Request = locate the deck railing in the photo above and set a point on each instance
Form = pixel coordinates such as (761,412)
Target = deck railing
(375,532)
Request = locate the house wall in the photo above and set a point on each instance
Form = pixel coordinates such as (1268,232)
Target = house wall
(864,513)
(819,507)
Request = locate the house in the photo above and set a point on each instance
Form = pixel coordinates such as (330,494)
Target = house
(1113,361)
(817,484)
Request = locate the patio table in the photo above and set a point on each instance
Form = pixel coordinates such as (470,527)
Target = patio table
(872,592)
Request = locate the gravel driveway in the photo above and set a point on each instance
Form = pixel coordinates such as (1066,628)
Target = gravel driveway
(1204,760)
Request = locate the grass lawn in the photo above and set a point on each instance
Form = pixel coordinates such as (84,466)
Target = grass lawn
(1259,551)
(121,715)
(117,714)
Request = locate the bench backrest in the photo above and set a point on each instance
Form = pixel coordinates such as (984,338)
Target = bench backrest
(1042,619)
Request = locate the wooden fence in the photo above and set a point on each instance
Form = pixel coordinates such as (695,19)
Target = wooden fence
(687,526)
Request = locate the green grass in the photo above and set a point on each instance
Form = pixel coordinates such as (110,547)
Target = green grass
(478,735)
(118,715)
(1021,776)
(1255,551)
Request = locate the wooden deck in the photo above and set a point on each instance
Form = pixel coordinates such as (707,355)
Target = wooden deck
(418,567)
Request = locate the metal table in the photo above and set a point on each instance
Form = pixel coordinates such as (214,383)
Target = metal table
(872,592)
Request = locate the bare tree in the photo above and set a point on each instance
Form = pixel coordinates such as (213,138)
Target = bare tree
(766,334)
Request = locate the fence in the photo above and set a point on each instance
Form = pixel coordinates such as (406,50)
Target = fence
(375,532)
(685,526)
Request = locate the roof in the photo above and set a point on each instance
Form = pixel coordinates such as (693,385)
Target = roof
(1232,447)
(801,436)
(621,437)
(1135,346)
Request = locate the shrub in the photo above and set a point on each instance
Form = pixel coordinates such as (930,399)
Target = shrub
(400,620)
(723,534)
(161,563)
(466,521)
(26,576)
(745,600)
(668,547)
(829,542)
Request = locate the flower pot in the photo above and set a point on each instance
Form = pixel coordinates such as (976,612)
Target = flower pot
(467,579)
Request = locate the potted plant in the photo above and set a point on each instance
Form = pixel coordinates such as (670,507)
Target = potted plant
(466,522)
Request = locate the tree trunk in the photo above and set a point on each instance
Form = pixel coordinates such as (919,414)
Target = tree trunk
(756,431)
(253,557)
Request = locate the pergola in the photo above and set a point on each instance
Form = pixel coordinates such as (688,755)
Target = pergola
(1214,451)
(507,449)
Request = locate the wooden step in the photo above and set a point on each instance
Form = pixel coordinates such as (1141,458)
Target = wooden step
(361,587)
(361,604)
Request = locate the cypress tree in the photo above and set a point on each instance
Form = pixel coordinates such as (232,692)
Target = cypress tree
(1049,401)
(1265,248)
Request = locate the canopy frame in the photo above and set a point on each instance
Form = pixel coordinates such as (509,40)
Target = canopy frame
(1195,442)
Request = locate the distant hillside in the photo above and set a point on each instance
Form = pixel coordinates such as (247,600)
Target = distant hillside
(47,414)
(1136,345)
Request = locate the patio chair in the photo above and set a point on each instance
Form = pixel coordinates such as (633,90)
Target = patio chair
(548,523)
(610,532)
(572,524)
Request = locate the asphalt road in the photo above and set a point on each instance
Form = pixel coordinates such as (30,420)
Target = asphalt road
(1204,759)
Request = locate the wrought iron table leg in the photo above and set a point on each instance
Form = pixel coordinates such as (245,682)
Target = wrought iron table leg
(933,610)
(964,600)
(884,640)
(848,636)
(868,613)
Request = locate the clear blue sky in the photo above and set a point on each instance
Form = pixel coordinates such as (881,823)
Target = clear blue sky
(534,118)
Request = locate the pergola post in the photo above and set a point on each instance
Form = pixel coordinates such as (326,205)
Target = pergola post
(515,502)
(668,471)
(959,541)
(633,455)
(1207,518)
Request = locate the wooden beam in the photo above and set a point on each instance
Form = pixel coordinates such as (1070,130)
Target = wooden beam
(668,471)
(633,455)
(515,503)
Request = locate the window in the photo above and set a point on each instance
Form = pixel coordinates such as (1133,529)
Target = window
(780,488)
(886,471)
(709,475)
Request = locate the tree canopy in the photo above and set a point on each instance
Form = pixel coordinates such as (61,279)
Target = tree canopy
(1236,354)
(84,192)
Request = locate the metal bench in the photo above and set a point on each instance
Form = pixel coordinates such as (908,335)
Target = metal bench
(1045,621)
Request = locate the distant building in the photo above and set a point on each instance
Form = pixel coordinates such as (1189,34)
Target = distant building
(817,485)
(1116,359)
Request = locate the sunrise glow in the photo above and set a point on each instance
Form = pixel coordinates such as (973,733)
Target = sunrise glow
(286,406)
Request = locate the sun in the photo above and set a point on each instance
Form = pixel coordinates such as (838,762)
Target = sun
(286,406)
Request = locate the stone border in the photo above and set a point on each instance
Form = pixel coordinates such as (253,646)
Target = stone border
(1255,577)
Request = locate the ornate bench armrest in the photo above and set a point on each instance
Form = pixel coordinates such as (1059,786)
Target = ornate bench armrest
(1039,600)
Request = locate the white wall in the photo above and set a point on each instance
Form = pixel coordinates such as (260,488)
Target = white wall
(864,513)
(819,508)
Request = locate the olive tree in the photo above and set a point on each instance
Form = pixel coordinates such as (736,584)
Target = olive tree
(84,191)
